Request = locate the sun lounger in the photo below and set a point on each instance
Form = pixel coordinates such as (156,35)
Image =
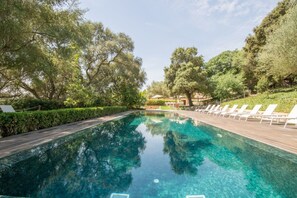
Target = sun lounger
(214,109)
(225,108)
(7,108)
(252,113)
(268,112)
(210,109)
(291,118)
(239,112)
(232,110)
(207,108)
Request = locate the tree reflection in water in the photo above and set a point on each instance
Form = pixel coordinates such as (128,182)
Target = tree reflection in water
(184,152)
(183,147)
(97,163)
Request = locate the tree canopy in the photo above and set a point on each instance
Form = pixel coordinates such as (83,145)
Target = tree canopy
(279,56)
(224,71)
(49,51)
(186,75)
(255,42)
(158,88)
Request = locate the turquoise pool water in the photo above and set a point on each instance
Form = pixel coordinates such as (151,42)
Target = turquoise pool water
(150,155)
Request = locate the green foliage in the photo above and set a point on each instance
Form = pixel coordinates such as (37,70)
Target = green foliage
(158,88)
(38,45)
(28,104)
(48,51)
(285,101)
(155,102)
(186,75)
(279,55)
(255,42)
(131,98)
(227,61)
(22,122)
(262,85)
(225,75)
(228,86)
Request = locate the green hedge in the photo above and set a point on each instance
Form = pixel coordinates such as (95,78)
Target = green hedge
(22,122)
(155,102)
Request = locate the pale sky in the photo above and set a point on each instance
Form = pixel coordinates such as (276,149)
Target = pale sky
(158,27)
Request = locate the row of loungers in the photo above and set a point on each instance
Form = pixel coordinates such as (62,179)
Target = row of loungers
(241,113)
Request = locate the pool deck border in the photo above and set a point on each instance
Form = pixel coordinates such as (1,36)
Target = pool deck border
(275,135)
(14,144)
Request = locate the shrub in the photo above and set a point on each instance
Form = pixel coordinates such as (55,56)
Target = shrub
(155,102)
(262,85)
(32,104)
(228,86)
(22,122)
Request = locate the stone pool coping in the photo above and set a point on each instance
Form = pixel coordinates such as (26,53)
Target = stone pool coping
(274,135)
(14,144)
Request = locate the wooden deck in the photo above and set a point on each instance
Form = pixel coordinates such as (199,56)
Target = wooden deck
(275,135)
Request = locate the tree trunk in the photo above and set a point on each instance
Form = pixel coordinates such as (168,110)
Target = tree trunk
(189,96)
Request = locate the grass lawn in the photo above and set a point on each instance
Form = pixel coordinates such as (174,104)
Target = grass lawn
(167,108)
(285,101)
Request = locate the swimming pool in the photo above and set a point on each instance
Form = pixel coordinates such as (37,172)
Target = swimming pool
(150,155)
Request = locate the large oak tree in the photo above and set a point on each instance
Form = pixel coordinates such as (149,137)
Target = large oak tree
(186,75)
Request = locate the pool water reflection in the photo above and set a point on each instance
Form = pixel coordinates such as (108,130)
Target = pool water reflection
(151,155)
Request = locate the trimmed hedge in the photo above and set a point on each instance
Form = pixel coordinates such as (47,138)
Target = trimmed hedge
(22,122)
(155,102)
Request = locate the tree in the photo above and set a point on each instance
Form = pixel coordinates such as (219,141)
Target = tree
(108,70)
(255,43)
(158,88)
(227,61)
(227,86)
(48,51)
(224,71)
(186,75)
(38,41)
(279,55)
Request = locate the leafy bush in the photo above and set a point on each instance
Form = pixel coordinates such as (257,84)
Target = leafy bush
(33,104)
(22,122)
(228,86)
(262,85)
(155,102)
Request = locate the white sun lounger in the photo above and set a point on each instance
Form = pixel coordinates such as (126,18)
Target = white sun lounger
(214,109)
(291,118)
(210,109)
(7,108)
(199,110)
(252,113)
(232,110)
(268,112)
(239,112)
(225,108)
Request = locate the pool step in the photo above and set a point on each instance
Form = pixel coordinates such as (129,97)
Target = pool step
(119,195)
(195,196)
